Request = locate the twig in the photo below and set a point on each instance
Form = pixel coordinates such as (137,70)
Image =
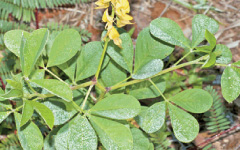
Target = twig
(3,85)
(219,134)
(165,9)
(36,17)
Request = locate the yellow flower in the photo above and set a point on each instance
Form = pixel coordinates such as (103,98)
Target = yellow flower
(102,4)
(107,18)
(122,8)
(114,35)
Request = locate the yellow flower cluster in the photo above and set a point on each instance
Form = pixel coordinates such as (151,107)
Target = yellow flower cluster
(121,9)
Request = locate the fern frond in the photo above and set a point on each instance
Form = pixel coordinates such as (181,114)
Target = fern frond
(10,143)
(24,9)
(215,118)
(4,72)
(7,26)
(19,12)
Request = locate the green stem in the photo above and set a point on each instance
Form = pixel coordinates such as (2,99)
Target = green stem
(54,75)
(102,88)
(102,58)
(30,86)
(86,97)
(160,73)
(182,58)
(222,65)
(124,80)
(77,107)
(158,90)
(101,96)
(86,84)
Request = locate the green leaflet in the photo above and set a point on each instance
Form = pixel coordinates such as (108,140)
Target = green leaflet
(169,31)
(117,106)
(185,126)
(33,48)
(76,134)
(4,115)
(230,83)
(211,39)
(29,135)
(15,84)
(199,25)
(55,87)
(225,54)
(44,112)
(69,67)
(112,74)
(14,93)
(193,100)
(149,48)
(123,57)
(140,140)
(151,68)
(145,89)
(60,110)
(112,135)
(27,112)
(37,74)
(210,61)
(152,118)
(12,40)
(87,63)
(66,44)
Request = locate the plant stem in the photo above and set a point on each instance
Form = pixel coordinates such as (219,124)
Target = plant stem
(30,86)
(86,97)
(86,84)
(77,107)
(222,65)
(183,58)
(54,75)
(158,90)
(101,96)
(102,88)
(124,80)
(160,73)
(102,58)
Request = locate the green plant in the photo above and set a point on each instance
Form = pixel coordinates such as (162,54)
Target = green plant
(24,10)
(215,117)
(76,118)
